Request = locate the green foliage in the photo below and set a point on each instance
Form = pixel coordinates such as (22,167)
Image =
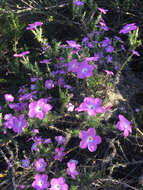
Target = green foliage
(73,187)
(64,98)
(133,39)
(0,119)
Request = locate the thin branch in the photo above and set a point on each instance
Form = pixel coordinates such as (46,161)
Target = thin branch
(12,169)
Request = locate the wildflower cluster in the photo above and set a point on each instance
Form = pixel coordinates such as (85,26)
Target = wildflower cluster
(31,110)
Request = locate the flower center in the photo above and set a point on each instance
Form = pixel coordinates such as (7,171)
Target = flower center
(91,107)
(73,65)
(90,139)
(26,163)
(59,153)
(84,70)
(128,27)
(40,165)
(57,187)
(71,170)
(49,84)
(19,123)
(38,109)
(40,183)
(125,125)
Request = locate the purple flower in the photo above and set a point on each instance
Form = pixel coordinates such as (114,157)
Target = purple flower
(85,70)
(40,165)
(70,107)
(58,184)
(68,86)
(135,53)
(123,47)
(78,3)
(127,28)
(49,84)
(100,54)
(71,170)
(105,28)
(102,22)
(137,110)
(73,161)
(117,38)
(89,139)
(104,11)
(91,106)
(109,72)
(35,131)
(10,121)
(59,154)
(90,45)
(95,58)
(21,54)
(18,106)
(19,124)
(21,186)
(34,25)
(40,182)
(61,81)
(25,163)
(35,147)
(39,108)
(33,87)
(124,125)
(73,44)
(9,97)
(7,116)
(85,39)
(27,96)
(46,141)
(46,61)
(38,139)
(60,139)
(106,42)
(109,49)
(33,79)
(73,66)
(109,59)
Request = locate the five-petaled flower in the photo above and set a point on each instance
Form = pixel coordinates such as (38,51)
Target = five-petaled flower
(85,70)
(89,139)
(33,25)
(40,165)
(71,170)
(91,106)
(25,163)
(19,124)
(59,154)
(109,49)
(8,97)
(41,182)
(60,139)
(49,84)
(58,184)
(124,125)
(39,108)
(127,28)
